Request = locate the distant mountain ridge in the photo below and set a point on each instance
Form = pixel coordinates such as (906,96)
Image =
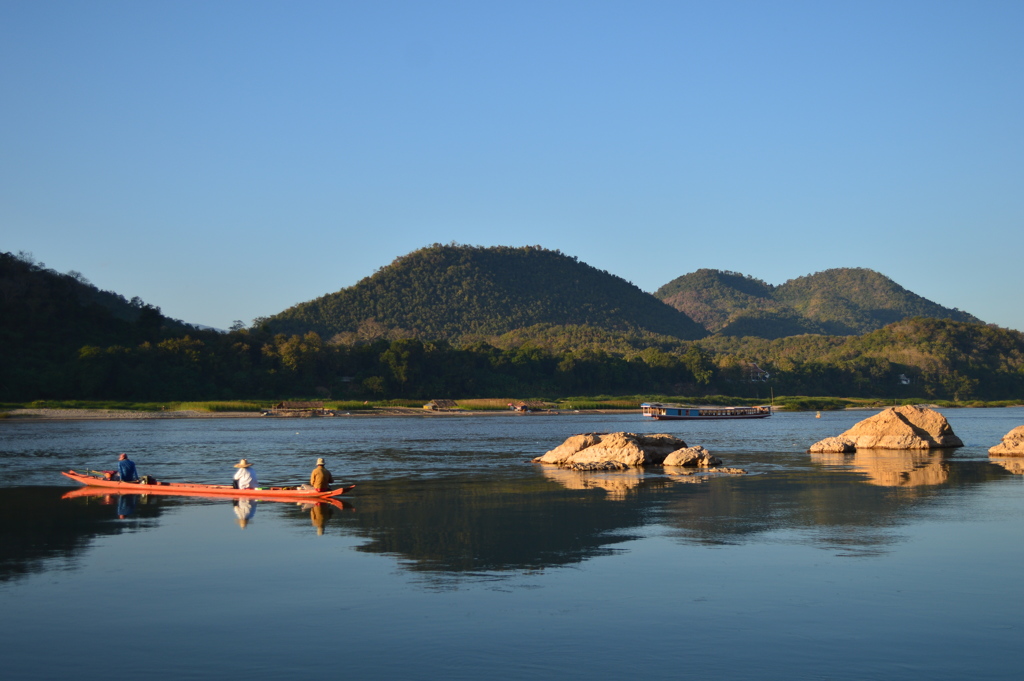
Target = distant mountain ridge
(841,301)
(453,291)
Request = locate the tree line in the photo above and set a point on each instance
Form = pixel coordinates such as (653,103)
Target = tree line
(927,358)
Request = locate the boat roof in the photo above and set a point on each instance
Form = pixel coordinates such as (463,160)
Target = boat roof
(698,406)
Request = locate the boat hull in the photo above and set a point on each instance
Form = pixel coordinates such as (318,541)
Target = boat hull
(149,490)
(660,411)
(187,488)
(708,418)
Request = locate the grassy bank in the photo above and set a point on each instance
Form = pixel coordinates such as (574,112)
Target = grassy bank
(599,402)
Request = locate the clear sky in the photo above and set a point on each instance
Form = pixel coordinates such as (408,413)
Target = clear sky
(226,160)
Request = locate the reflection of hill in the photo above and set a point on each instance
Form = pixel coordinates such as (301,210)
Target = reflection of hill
(893,467)
(487,524)
(37,526)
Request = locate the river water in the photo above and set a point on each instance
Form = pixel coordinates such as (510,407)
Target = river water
(456,558)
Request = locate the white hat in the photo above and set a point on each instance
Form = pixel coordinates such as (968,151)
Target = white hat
(319,462)
(242,464)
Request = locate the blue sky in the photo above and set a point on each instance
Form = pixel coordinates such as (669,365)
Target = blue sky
(225,160)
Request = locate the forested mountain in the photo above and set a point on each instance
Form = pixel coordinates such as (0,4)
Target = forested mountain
(61,338)
(452,292)
(843,301)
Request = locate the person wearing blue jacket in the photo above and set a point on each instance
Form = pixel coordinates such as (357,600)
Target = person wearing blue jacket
(126,469)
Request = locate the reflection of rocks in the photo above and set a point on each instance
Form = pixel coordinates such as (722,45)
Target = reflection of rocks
(908,427)
(1013,465)
(617,485)
(625,448)
(892,467)
(1012,444)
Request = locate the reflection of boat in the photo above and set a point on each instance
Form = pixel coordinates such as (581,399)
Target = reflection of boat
(196,489)
(682,412)
(163,490)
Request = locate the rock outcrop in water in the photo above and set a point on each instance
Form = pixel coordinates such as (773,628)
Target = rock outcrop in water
(690,457)
(619,451)
(628,449)
(1012,444)
(907,427)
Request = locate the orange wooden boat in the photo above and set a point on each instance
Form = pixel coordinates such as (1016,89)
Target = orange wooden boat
(159,489)
(196,489)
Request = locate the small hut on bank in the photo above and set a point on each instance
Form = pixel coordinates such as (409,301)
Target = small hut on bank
(441,405)
(298,409)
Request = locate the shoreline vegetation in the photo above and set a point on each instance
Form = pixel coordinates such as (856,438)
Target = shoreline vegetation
(84,409)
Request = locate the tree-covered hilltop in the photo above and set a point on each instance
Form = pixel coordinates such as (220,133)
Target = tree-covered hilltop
(843,301)
(854,300)
(450,292)
(46,317)
(732,304)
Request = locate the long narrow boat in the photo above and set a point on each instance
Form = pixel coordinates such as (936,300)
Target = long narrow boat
(186,488)
(80,492)
(683,412)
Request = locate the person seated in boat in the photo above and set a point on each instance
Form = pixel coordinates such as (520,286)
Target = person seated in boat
(320,479)
(126,469)
(245,476)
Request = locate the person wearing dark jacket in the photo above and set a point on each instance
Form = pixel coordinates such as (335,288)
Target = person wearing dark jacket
(126,469)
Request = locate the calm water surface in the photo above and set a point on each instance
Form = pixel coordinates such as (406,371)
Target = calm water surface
(454,558)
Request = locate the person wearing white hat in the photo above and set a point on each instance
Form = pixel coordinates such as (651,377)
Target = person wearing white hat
(320,479)
(245,476)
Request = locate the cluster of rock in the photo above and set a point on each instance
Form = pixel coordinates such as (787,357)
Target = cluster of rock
(907,427)
(619,451)
(1012,444)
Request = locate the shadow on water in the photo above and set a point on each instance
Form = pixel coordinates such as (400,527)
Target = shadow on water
(39,532)
(479,524)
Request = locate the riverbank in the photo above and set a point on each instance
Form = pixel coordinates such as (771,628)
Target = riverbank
(118,414)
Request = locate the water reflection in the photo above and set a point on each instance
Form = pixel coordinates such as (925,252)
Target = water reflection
(126,504)
(245,509)
(38,532)
(319,514)
(894,467)
(1014,465)
(463,525)
(540,517)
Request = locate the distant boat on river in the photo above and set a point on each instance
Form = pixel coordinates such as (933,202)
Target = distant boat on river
(683,412)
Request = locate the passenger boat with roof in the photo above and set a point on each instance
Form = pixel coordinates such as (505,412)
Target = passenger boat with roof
(683,412)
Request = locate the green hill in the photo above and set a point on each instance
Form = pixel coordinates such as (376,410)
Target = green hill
(453,292)
(844,301)
(848,301)
(48,316)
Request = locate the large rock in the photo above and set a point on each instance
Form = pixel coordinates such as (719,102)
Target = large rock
(834,445)
(906,427)
(691,457)
(1012,444)
(624,448)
